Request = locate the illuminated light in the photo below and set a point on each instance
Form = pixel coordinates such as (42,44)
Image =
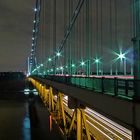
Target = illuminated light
(35,9)
(50,118)
(49,59)
(108,122)
(41,65)
(66,67)
(32,44)
(51,70)
(58,53)
(57,68)
(66,98)
(26,91)
(48,71)
(99,130)
(96,60)
(82,63)
(121,56)
(73,65)
(61,68)
(33,30)
(34,21)
(33,38)
(32,50)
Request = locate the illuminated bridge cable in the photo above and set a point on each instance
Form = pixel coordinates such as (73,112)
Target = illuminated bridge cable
(54,33)
(74,17)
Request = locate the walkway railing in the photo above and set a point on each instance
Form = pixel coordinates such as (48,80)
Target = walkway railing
(123,88)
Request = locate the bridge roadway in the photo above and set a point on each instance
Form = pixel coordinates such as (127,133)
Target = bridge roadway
(124,112)
(15,120)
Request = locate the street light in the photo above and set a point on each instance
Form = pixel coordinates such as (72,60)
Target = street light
(58,54)
(73,65)
(82,63)
(122,57)
(73,70)
(35,9)
(49,59)
(61,68)
(97,65)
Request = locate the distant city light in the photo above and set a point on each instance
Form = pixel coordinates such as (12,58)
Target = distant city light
(41,65)
(34,21)
(33,38)
(33,30)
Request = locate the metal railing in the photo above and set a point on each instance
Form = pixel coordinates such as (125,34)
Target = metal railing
(123,88)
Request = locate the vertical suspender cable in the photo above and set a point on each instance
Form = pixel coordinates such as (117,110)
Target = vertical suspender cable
(65,25)
(44,34)
(87,45)
(41,36)
(110,40)
(116,33)
(101,35)
(54,34)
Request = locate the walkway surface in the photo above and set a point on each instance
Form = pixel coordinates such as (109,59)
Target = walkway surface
(15,119)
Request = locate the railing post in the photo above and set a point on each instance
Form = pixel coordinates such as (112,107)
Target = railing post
(115,86)
(126,87)
(102,84)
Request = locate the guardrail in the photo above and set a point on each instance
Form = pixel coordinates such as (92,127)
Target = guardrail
(123,88)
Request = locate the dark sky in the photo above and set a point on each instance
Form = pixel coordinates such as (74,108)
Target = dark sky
(16,22)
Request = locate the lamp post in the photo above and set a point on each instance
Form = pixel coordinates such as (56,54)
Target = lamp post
(97,66)
(61,68)
(82,64)
(122,57)
(58,54)
(73,70)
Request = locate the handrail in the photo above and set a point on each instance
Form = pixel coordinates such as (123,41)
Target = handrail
(122,88)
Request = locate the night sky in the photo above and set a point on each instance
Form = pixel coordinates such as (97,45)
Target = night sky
(16,23)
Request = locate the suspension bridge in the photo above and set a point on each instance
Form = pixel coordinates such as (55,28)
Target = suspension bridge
(85,64)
